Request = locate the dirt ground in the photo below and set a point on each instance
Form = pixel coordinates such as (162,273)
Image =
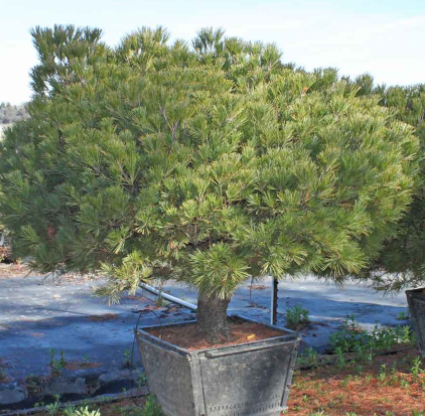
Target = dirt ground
(19,270)
(8,271)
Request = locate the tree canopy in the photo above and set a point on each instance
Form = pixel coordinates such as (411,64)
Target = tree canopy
(206,163)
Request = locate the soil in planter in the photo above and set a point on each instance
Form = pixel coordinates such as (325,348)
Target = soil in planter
(188,336)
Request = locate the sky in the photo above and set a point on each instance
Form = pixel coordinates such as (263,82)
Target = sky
(384,38)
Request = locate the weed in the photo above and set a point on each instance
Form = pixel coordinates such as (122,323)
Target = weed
(160,301)
(340,359)
(350,337)
(33,384)
(404,383)
(354,339)
(82,411)
(85,411)
(402,316)
(309,357)
(346,380)
(3,374)
(415,370)
(69,411)
(382,373)
(393,379)
(141,381)
(62,361)
(151,408)
(359,369)
(57,365)
(127,358)
(53,409)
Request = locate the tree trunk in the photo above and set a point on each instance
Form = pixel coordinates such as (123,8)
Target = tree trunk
(212,318)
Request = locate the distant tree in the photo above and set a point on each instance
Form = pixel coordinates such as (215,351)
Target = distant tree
(12,113)
(206,164)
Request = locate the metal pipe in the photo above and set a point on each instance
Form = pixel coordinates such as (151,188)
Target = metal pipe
(168,297)
(273,312)
(178,301)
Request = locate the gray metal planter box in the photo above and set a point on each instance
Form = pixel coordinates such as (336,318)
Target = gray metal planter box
(253,378)
(416,301)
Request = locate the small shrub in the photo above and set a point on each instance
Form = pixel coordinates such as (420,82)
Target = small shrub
(354,339)
(297,318)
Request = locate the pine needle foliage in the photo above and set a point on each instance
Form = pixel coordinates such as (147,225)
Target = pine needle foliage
(402,261)
(206,163)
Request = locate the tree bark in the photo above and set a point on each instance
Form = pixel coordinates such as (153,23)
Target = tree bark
(212,318)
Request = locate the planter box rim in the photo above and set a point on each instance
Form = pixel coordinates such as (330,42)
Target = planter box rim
(148,337)
(415,290)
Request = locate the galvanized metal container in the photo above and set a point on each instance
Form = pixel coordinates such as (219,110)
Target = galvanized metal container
(253,378)
(416,301)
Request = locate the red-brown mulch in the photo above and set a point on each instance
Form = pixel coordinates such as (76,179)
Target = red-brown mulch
(188,336)
(361,391)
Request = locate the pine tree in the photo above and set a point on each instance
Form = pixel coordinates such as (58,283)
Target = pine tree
(402,261)
(206,164)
